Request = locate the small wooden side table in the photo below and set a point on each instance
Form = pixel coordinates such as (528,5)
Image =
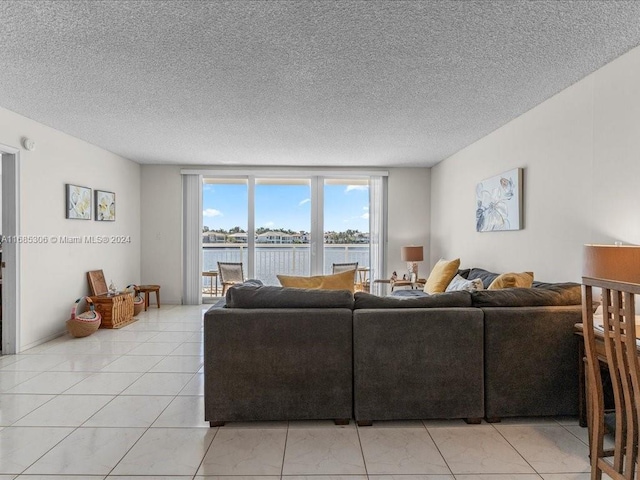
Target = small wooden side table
(147,289)
(211,274)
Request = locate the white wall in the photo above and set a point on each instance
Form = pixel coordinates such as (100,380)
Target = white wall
(54,275)
(409,217)
(580,151)
(161,221)
(161,213)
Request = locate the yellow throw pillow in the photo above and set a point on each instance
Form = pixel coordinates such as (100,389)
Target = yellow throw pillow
(510,280)
(442,273)
(338,281)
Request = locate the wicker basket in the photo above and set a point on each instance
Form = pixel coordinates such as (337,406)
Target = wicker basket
(83,323)
(138,305)
(138,301)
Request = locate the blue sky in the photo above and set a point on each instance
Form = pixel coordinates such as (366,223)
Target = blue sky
(285,206)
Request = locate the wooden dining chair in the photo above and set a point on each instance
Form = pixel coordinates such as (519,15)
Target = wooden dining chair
(619,331)
(230,274)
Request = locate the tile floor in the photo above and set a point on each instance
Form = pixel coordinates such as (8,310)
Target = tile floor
(128,404)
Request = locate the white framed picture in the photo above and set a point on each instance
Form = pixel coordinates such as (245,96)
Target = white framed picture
(78,202)
(105,206)
(499,202)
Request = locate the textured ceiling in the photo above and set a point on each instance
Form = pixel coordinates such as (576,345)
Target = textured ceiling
(349,83)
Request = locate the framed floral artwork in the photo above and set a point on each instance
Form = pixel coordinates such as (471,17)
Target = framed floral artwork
(78,202)
(499,202)
(105,206)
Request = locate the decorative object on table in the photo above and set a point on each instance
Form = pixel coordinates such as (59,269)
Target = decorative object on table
(105,206)
(138,300)
(84,319)
(77,202)
(412,255)
(499,202)
(615,269)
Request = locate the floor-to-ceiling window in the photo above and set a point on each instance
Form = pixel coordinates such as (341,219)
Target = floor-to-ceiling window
(346,222)
(292,225)
(282,228)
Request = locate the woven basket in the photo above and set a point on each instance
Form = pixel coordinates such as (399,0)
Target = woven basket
(138,305)
(138,301)
(83,323)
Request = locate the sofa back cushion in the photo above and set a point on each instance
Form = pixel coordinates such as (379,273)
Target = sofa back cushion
(544,295)
(438,300)
(257,296)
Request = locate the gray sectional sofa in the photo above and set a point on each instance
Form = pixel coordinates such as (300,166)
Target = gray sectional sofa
(274,353)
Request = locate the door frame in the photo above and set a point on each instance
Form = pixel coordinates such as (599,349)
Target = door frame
(10,249)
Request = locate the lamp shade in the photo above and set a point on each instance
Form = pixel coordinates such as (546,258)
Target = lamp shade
(411,254)
(618,263)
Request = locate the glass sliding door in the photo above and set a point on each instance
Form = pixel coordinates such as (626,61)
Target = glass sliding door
(282,228)
(295,225)
(346,224)
(225,226)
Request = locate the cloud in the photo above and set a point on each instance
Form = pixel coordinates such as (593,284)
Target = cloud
(365,216)
(366,208)
(356,187)
(269,224)
(306,200)
(212,212)
(207,187)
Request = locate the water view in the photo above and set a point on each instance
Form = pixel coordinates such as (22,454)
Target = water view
(272,260)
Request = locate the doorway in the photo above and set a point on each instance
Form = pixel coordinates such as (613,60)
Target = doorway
(10,251)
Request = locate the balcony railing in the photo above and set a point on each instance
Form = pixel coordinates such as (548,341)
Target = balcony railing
(275,259)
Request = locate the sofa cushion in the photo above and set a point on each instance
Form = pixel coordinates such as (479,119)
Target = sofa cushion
(556,294)
(484,275)
(441,275)
(256,296)
(459,283)
(512,279)
(337,281)
(438,300)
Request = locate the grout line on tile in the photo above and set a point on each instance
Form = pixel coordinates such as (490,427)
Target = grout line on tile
(437,448)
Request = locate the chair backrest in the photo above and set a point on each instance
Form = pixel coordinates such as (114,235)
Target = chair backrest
(230,272)
(619,338)
(345,267)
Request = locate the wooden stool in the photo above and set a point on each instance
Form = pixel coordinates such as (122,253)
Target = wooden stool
(147,289)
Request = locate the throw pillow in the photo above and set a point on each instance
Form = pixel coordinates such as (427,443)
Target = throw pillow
(460,283)
(338,281)
(510,280)
(441,275)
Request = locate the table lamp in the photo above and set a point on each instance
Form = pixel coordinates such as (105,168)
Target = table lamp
(412,255)
(618,263)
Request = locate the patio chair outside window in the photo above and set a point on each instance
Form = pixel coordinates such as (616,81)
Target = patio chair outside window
(345,267)
(230,274)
